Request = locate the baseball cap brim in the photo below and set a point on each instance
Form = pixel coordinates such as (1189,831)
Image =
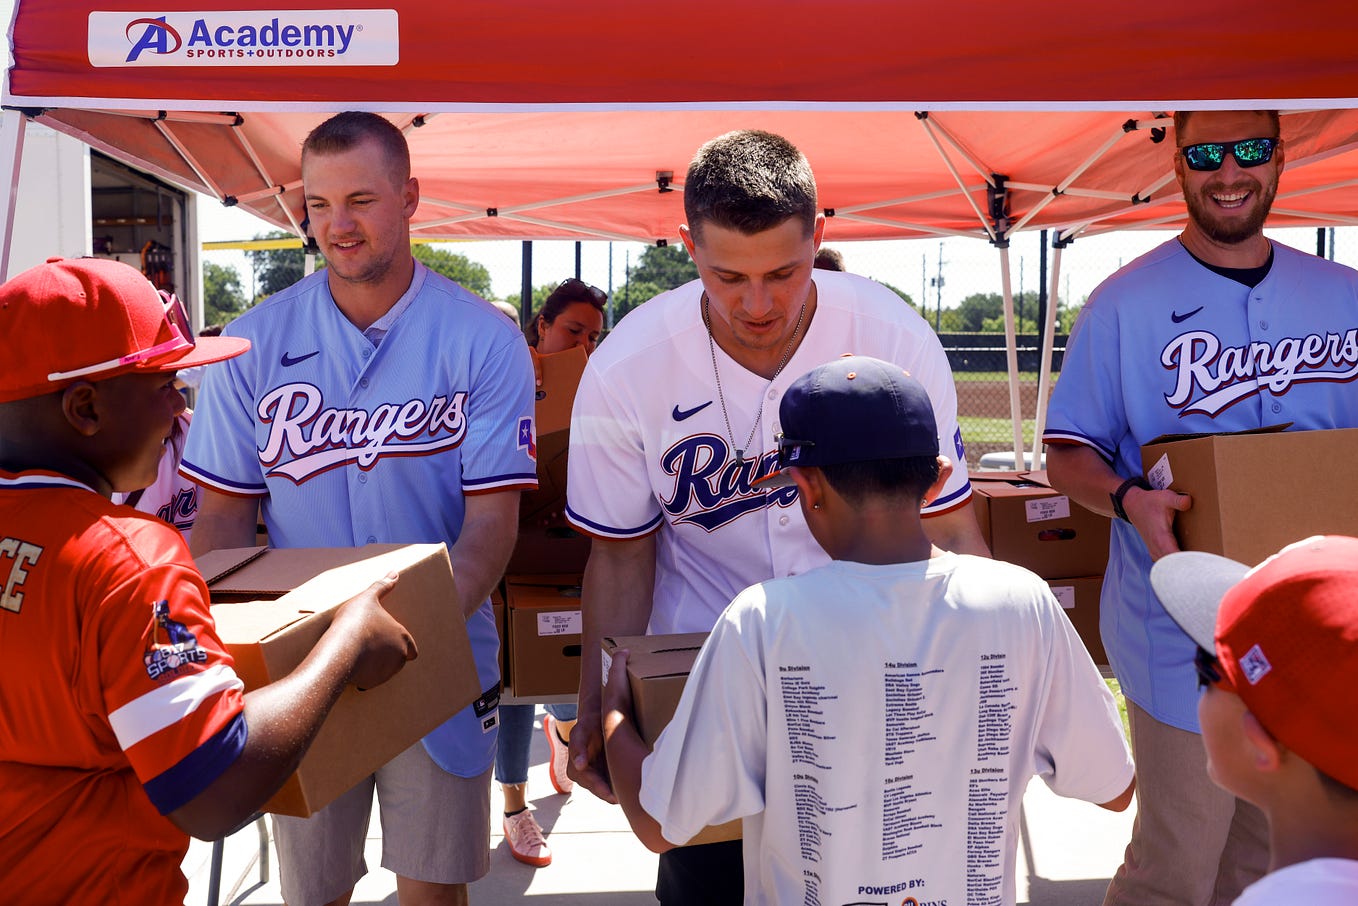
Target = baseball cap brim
(779,478)
(205,351)
(1190,585)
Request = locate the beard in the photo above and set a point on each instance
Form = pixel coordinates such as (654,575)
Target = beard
(1234,230)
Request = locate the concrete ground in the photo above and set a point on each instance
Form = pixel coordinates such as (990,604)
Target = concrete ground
(1067,852)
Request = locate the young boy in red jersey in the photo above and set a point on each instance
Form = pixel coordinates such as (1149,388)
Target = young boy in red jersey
(1278,663)
(123,727)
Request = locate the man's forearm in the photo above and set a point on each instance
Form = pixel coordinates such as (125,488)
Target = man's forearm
(484,546)
(957,531)
(616,600)
(223,522)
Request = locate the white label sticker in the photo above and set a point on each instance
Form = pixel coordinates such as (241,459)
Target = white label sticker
(1160,476)
(1065,594)
(608,665)
(1048,508)
(562,622)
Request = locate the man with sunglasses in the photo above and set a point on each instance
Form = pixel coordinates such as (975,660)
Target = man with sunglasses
(381,403)
(1219,329)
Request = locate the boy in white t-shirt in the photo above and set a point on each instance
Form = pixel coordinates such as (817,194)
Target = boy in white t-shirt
(1278,662)
(874,721)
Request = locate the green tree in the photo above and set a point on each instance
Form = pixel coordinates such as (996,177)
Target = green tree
(223,298)
(275,269)
(458,268)
(666,266)
(540,294)
(633,293)
(976,309)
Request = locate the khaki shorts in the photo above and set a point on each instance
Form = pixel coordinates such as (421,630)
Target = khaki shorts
(435,827)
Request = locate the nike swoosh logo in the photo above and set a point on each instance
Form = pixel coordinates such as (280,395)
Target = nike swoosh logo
(288,361)
(681,414)
(1180,318)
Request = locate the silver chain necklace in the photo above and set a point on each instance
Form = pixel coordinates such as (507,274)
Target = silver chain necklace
(716,373)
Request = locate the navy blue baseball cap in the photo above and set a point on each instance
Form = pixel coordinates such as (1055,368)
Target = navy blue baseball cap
(854,409)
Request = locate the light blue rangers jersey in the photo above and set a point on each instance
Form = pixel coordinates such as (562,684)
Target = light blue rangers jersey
(1166,345)
(350,443)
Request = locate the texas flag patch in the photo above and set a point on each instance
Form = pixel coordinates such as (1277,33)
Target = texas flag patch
(528,437)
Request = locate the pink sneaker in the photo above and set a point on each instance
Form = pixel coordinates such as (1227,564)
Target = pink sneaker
(560,752)
(525,840)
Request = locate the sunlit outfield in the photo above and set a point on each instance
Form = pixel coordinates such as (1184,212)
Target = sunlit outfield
(977,429)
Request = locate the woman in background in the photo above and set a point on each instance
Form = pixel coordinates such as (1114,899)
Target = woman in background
(573,315)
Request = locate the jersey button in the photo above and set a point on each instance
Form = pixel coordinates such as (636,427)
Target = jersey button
(783,520)
(773,394)
(367,352)
(1277,407)
(1263,325)
(363,382)
(372,539)
(362,477)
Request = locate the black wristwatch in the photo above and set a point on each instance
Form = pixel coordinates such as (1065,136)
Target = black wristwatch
(1135,482)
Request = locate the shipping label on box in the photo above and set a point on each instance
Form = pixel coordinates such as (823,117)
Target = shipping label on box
(1079,597)
(271,606)
(1024,521)
(657,668)
(1256,492)
(544,634)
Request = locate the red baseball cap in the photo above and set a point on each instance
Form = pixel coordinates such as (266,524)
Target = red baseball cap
(94,318)
(1286,634)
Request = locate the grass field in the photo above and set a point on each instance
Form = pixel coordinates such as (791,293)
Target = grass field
(969,377)
(978,429)
(1122,705)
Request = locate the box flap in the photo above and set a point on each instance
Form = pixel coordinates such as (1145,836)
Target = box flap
(656,656)
(1173,438)
(333,575)
(243,622)
(543,597)
(217,565)
(275,571)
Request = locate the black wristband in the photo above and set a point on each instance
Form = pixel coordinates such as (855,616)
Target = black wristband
(1135,482)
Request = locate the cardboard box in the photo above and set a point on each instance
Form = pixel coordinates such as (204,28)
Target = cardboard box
(544,634)
(657,668)
(272,605)
(498,611)
(1080,598)
(1024,521)
(547,543)
(1256,492)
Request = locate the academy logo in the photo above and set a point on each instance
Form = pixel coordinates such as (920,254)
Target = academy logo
(334,37)
(711,490)
(306,439)
(1210,378)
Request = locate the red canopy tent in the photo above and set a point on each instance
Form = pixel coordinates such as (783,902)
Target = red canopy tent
(539,119)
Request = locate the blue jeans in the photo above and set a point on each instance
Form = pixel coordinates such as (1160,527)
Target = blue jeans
(516,736)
